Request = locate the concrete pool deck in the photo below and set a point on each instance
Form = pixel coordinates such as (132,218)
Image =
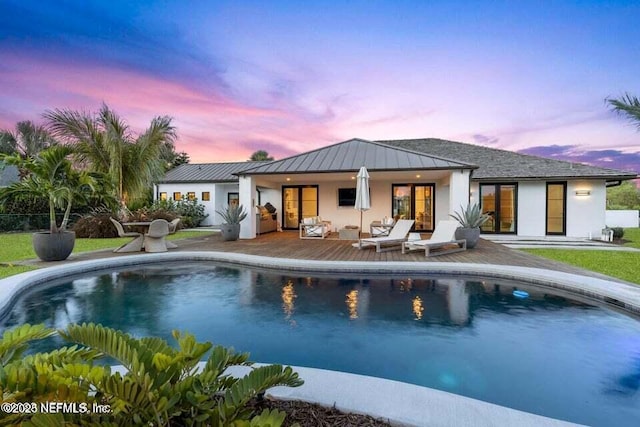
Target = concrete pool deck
(403,404)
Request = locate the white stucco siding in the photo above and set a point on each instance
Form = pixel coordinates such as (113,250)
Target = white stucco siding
(586,214)
(459,188)
(198,188)
(247,191)
(531,219)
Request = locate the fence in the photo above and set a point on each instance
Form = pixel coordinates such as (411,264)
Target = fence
(29,222)
(626,218)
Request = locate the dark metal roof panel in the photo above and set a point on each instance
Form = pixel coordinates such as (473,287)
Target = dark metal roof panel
(351,155)
(207,172)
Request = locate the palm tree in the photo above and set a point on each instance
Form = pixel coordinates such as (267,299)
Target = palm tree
(51,177)
(27,141)
(628,106)
(260,155)
(104,143)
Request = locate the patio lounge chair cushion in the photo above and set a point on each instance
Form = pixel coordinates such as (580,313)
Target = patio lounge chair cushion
(396,237)
(443,238)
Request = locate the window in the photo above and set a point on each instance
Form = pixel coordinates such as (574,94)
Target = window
(163,195)
(556,207)
(191,195)
(499,201)
(177,196)
(206,196)
(233,199)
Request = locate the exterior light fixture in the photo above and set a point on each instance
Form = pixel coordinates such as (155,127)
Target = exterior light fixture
(288,179)
(353,177)
(418,176)
(583,192)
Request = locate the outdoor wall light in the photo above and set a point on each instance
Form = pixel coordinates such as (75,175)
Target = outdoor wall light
(583,192)
(418,176)
(288,179)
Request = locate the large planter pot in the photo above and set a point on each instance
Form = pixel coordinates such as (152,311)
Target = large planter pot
(471,235)
(53,246)
(230,231)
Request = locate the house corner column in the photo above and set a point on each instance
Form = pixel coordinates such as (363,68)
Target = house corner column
(247,192)
(459,190)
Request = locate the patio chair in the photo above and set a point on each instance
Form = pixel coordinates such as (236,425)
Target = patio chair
(133,246)
(443,239)
(314,228)
(397,236)
(173,228)
(154,240)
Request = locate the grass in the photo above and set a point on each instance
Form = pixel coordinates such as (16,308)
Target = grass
(632,234)
(622,265)
(16,247)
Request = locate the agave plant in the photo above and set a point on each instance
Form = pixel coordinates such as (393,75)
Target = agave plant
(162,386)
(234,214)
(471,217)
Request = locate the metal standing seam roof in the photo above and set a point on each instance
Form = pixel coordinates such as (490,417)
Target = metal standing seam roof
(349,156)
(497,164)
(207,172)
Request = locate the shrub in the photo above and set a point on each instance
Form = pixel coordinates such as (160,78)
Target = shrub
(190,211)
(618,232)
(162,386)
(96,225)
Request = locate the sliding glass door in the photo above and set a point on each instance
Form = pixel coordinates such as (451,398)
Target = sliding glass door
(414,201)
(299,202)
(499,201)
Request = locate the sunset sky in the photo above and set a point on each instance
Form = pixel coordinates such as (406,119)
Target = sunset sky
(292,76)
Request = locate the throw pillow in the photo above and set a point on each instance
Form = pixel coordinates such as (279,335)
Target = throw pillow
(268,206)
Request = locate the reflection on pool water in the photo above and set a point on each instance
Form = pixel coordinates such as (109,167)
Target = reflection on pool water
(547,354)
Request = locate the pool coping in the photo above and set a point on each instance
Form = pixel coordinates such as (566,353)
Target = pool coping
(401,403)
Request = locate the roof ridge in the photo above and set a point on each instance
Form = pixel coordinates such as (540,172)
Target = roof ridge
(446,159)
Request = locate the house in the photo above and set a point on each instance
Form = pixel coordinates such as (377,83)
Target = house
(421,179)
(8,175)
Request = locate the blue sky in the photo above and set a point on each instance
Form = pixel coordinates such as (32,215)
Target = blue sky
(292,76)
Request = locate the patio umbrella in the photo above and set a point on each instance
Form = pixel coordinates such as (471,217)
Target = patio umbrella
(363,203)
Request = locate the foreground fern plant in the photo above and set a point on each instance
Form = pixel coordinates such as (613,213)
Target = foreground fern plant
(163,385)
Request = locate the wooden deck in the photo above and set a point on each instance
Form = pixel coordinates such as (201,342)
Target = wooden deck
(288,245)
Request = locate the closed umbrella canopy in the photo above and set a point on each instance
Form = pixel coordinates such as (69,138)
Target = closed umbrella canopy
(363,202)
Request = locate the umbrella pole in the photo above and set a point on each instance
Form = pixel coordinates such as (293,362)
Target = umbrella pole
(360,233)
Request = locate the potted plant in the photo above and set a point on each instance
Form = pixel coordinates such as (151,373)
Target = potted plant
(231,217)
(51,176)
(470,219)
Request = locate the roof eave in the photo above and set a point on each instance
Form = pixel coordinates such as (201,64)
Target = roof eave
(453,168)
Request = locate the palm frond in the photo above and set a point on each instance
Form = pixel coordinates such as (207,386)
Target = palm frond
(628,106)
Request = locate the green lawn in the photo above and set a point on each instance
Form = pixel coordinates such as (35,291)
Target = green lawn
(17,247)
(623,265)
(632,234)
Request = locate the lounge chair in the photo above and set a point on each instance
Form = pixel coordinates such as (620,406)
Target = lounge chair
(154,240)
(443,239)
(397,236)
(133,246)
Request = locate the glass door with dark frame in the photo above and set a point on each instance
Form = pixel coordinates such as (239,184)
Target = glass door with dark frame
(556,208)
(414,201)
(499,202)
(298,202)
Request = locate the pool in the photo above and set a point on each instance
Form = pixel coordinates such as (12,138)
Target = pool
(552,354)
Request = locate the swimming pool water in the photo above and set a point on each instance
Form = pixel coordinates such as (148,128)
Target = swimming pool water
(548,354)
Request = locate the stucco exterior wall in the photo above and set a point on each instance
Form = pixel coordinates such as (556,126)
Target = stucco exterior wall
(586,214)
(532,203)
(198,188)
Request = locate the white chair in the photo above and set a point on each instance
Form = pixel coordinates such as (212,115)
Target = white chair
(314,228)
(443,238)
(133,246)
(397,236)
(154,240)
(173,228)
